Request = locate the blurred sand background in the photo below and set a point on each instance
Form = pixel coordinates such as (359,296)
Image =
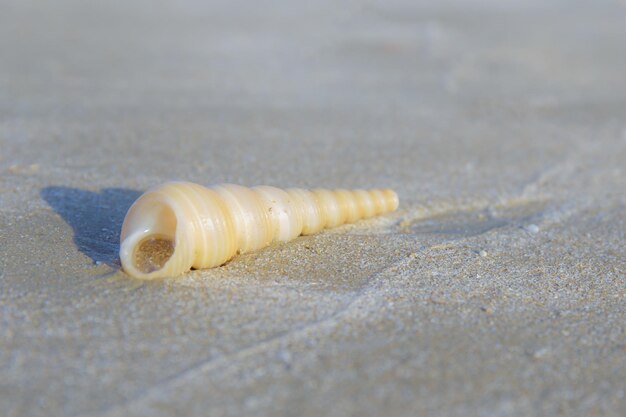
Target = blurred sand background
(497,289)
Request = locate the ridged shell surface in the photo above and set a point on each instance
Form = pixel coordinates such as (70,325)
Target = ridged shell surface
(179,225)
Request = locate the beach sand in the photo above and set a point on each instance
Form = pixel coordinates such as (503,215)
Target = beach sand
(497,289)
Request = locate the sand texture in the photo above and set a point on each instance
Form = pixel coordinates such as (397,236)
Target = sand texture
(497,289)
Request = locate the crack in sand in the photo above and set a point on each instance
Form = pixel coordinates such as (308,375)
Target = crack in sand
(257,348)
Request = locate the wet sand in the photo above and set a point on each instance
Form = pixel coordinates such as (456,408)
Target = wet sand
(497,289)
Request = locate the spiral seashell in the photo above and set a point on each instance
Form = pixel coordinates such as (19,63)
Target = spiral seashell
(180,225)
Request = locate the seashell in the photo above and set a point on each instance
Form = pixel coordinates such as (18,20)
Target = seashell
(180,225)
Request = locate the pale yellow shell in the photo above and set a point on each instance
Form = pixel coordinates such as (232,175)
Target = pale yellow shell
(179,225)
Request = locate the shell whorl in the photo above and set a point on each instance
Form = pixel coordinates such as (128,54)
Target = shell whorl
(179,225)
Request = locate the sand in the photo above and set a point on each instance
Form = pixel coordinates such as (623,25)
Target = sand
(497,289)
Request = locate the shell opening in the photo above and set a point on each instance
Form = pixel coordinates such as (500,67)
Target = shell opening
(152,253)
(150,247)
